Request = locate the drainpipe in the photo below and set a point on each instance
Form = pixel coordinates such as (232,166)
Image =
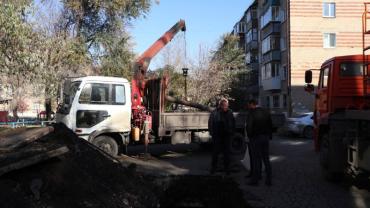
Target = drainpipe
(289,87)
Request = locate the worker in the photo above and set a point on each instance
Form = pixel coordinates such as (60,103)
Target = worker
(259,130)
(221,126)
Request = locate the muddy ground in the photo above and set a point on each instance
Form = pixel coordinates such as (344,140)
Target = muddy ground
(86,177)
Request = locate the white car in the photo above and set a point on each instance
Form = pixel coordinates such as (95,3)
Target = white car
(301,125)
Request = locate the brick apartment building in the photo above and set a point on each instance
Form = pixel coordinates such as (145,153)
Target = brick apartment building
(283,38)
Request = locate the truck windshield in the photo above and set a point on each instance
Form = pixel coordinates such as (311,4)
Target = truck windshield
(350,69)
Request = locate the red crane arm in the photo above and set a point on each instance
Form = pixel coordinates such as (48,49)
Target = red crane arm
(142,63)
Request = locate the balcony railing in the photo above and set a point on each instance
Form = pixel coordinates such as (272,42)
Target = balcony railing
(271,56)
(273,83)
(252,45)
(252,24)
(271,28)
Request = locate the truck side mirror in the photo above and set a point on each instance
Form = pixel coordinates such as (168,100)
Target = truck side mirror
(308,77)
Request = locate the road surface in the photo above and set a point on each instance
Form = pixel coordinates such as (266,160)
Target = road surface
(297,180)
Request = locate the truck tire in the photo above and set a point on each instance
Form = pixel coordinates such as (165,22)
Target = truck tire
(238,144)
(325,162)
(107,144)
(308,132)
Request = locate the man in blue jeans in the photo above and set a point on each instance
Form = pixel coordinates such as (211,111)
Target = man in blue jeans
(259,130)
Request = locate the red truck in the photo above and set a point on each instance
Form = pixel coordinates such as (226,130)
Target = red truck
(342,115)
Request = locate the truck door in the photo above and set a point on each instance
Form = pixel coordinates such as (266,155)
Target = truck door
(102,107)
(322,93)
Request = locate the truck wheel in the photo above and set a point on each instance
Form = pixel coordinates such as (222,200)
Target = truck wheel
(308,132)
(325,159)
(107,144)
(238,144)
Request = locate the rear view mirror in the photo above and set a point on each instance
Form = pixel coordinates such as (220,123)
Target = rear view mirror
(308,77)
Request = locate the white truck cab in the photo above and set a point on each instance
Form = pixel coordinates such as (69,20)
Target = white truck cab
(97,109)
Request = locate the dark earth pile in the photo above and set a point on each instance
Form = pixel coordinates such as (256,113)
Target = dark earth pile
(86,177)
(202,191)
(83,177)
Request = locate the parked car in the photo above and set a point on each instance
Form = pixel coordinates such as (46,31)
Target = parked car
(301,125)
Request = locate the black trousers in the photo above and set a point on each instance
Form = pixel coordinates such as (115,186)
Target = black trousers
(260,154)
(250,157)
(221,145)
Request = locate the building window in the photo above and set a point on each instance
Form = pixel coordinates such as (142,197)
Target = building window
(270,70)
(276,101)
(284,73)
(328,9)
(252,35)
(268,102)
(329,40)
(283,43)
(270,43)
(273,13)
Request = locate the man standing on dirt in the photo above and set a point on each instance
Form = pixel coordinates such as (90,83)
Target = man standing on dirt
(259,130)
(221,126)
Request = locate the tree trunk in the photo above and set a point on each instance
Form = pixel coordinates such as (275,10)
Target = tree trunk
(15,113)
(187,103)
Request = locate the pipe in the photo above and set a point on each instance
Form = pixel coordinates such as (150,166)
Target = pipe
(187,103)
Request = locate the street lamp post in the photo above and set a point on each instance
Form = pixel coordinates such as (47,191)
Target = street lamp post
(185,74)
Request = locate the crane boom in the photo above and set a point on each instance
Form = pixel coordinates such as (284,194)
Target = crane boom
(142,63)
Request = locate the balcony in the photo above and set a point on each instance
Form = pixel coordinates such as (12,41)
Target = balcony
(254,66)
(252,45)
(271,28)
(274,55)
(251,58)
(273,83)
(240,28)
(252,24)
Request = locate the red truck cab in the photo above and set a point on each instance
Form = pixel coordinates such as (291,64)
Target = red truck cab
(340,87)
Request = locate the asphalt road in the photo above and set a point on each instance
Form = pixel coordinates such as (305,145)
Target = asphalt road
(297,180)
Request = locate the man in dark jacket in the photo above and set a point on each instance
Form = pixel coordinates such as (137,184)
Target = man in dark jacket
(221,126)
(259,130)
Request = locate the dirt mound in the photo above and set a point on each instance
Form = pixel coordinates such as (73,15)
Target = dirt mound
(202,191)
(83,177)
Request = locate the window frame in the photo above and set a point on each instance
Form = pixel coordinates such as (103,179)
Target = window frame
(113,94)
(108,102)
(276,100)
(343,75)
(328,44)
(331,10)
(324,70)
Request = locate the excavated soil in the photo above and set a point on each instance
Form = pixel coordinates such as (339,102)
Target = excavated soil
(83,177)
(86,177)
(202,191)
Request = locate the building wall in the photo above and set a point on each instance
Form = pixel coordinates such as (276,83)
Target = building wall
(307,28)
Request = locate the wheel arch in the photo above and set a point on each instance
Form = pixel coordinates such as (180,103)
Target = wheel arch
(115,135)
